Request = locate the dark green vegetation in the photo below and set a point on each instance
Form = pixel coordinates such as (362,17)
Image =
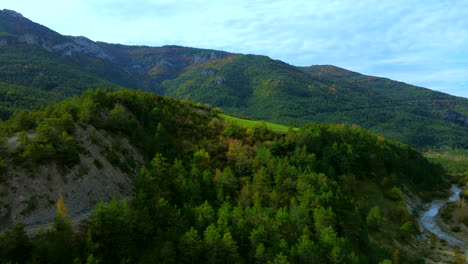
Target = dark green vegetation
(213,191)
(245,85)
(14,98)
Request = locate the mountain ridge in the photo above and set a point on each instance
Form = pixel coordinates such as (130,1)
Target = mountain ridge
(247,85)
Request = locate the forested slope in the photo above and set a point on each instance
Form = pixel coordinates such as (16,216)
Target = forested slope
(215,192)
(265,89)
(252,86)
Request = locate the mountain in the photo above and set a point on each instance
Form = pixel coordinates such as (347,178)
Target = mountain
(200,189)
(252,86)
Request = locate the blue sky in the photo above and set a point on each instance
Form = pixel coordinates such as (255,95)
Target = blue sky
(424,43)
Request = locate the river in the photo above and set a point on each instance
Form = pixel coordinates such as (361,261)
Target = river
(428,221)
(428,218)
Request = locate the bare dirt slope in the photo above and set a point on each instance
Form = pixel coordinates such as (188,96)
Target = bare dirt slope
(30,195)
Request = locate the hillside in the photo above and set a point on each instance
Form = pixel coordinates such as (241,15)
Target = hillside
(15,97)
(208,190)
(257,87)
(264,89)
(254,123)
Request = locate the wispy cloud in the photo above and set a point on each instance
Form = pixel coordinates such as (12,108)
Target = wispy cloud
(419,42)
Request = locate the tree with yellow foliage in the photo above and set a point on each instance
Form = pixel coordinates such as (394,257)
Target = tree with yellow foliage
(460,258)
(61,221)
(61,206)
(396,256)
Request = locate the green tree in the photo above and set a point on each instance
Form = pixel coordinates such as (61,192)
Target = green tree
(385,261)
(230,249)
(191,247)
(306,250)
(279,259)
(118,119)
(58,245)
(407,229)
(212,245)
(219,249)
(226,183)
(15,246)
(110,234)
(374,219)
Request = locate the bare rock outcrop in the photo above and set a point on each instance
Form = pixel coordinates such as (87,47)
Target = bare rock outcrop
(456,118)
(30,195)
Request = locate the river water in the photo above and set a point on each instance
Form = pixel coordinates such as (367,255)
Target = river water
(428,222)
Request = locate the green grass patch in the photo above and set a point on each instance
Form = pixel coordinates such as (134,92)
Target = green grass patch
(455,162)
(253,123)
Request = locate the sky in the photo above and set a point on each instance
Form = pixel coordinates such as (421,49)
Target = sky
(424,43)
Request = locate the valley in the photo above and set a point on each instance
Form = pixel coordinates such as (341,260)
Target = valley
(113,153)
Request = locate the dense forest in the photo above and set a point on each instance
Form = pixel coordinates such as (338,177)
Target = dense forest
(212,191)
(32,77)
(15,98)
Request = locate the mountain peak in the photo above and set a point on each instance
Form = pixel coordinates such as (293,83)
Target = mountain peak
(12,13)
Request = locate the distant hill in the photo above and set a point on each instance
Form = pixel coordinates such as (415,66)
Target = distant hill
(35,57)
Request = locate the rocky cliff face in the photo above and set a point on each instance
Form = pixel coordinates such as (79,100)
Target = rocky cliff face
(151,65)
(23,31)
(30,195)
(80,45)
(456,118)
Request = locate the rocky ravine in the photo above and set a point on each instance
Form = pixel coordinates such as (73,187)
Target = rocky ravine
(448,246)
(29,196)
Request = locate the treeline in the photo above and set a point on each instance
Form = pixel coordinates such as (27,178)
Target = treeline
(215,192)
(14,98)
